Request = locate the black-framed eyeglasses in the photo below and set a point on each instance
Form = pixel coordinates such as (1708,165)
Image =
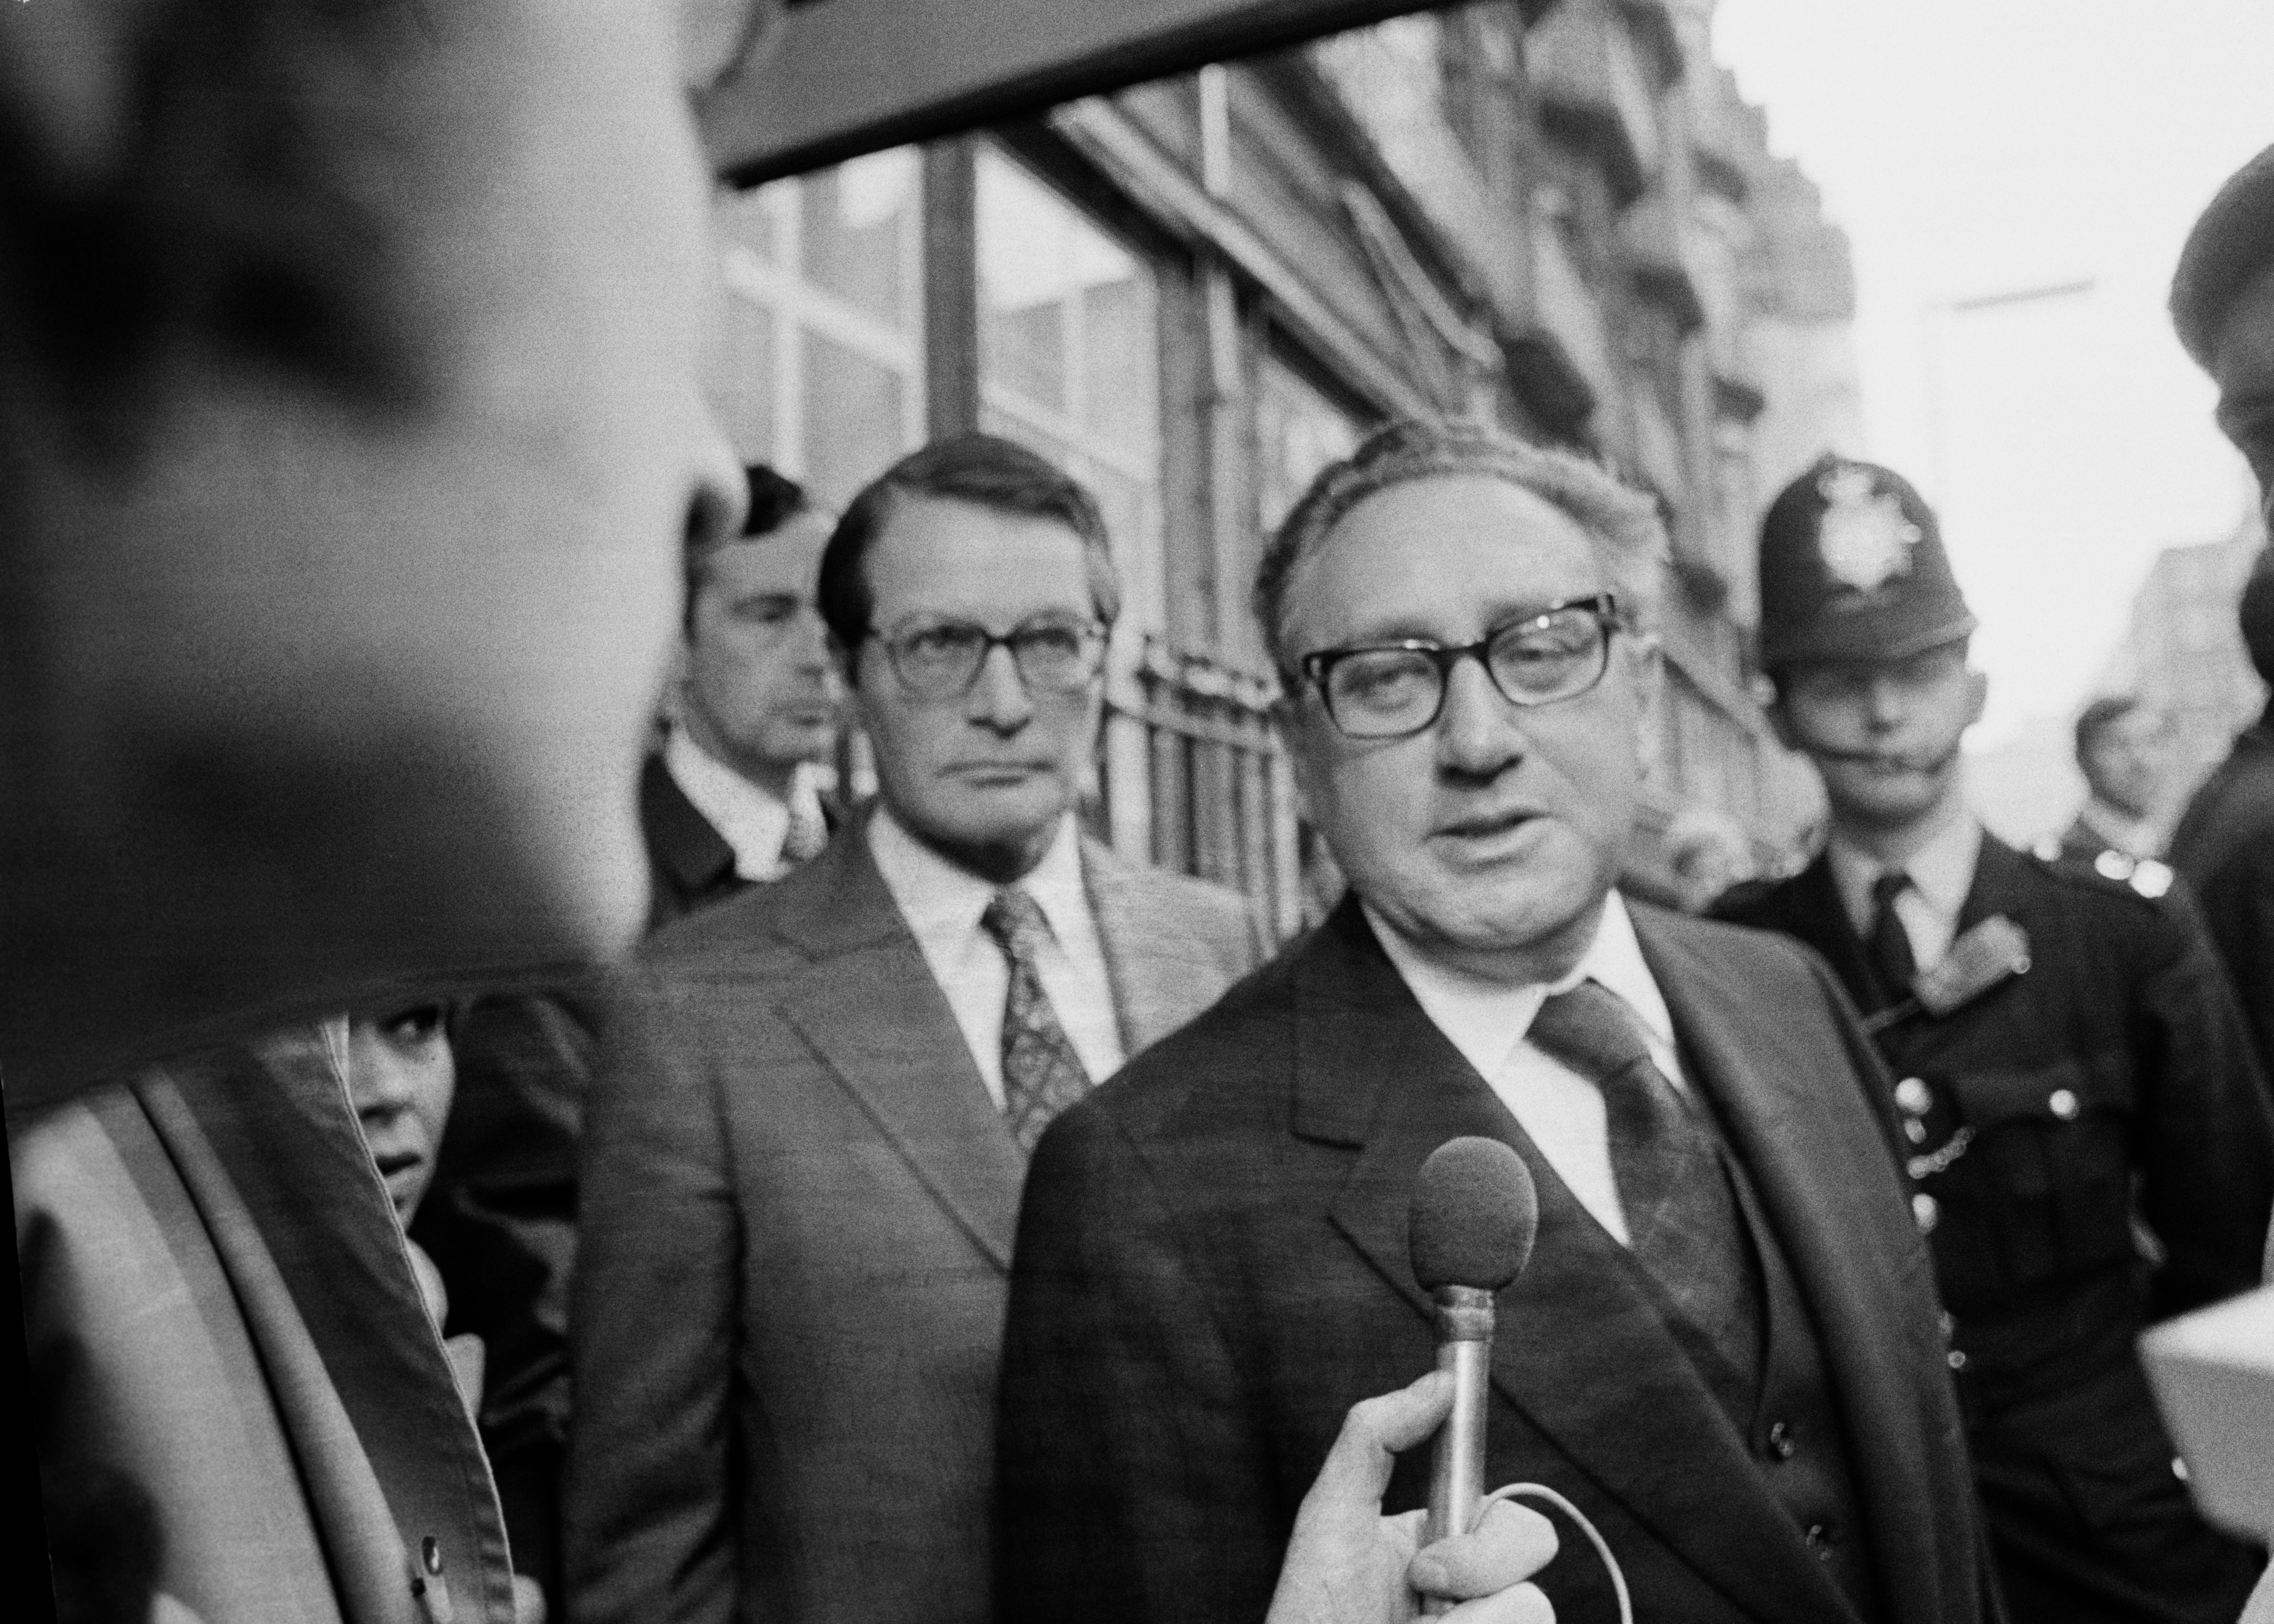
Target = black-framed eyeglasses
(1390,690)
(942,658)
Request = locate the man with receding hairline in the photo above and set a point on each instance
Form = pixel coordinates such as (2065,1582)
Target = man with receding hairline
(1724,1349)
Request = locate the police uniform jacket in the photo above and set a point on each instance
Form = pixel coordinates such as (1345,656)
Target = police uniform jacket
(2029,1111)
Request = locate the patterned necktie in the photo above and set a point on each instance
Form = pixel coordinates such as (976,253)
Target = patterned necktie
(1042,1073)
(1892,960)
(1683,1221)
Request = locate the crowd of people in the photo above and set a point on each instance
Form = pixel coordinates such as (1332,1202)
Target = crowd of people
(940,1215)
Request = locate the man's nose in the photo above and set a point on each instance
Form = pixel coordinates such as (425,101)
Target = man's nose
(999,699)
(1882,701)
(811,634)
(1478,731)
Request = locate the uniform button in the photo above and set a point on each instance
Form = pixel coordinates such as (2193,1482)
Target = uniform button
(2062,1103)
(1780,1444)
(1925,1211)
(1914,1129)
(1914,1097)
(430,1556)
(1957,1358)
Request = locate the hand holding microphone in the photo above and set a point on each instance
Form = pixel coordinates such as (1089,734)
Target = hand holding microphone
(1349,1564)
(1474,1216)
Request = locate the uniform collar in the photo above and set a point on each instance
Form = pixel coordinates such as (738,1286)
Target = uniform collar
(1942,871)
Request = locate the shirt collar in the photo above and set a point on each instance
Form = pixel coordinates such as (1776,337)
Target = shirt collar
(936,896)
(1942,871)
(1485,1019)
(751,820)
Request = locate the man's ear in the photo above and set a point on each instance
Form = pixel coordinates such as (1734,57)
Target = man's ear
(1288,725)
(1977,694)
(1647,670)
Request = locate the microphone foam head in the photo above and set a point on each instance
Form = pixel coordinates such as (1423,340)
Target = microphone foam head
(1475,1215)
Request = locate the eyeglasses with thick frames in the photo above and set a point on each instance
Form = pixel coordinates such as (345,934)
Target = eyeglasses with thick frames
(942,660)
(1392,690)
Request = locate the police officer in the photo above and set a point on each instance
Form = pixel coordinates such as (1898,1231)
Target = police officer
(2072,1086)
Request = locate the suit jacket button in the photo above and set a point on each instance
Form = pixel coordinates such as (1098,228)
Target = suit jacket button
(1926,1212)
(1957,1357)
(430,1556)
(2062,1103)
(1780,1444)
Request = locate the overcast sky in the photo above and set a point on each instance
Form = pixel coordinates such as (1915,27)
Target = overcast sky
(1973,147)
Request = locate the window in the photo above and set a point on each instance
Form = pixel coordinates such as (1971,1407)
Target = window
(818,367)
(1069,360)
(1298,431)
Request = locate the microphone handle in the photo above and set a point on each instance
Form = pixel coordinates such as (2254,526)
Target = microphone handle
(1457,1478)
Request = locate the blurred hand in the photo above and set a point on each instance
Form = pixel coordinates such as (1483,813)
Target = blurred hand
(1348,1564)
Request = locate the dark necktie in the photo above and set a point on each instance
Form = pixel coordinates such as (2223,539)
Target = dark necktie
(1682,1222)
(1042,1073)
(1892,960)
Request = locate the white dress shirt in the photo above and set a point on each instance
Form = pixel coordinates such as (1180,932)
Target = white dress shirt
(752,822)
(942,905)
(1561,1110)
(1942,871)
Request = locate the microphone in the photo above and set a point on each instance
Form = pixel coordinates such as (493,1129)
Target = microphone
(1474,1217)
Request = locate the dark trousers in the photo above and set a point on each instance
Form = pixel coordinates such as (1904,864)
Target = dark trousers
(2089,1524)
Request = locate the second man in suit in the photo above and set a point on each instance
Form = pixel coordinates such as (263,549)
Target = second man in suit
(800,1194)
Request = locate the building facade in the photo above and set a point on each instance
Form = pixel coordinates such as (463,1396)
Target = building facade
(1554,214)
(2184,651)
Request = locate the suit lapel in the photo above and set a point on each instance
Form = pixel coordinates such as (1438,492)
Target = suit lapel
(684,845)
(1372,1070)
(1148,950)
(1771,1100)
(870,1008)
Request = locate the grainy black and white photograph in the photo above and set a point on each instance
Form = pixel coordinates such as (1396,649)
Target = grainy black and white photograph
(1153,811)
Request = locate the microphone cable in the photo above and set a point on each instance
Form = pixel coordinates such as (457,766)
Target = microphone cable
(1541,1492)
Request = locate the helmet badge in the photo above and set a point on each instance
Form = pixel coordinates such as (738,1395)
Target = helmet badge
(1862,538)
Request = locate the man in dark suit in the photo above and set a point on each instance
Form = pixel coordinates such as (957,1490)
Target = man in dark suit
(731,799)
(2066,1052)
(2223,305)
(799,1191)
(1725,1351)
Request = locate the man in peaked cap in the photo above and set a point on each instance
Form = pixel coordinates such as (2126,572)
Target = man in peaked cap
(2055,1041)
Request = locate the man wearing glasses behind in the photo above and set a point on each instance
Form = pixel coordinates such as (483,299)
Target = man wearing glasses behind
(1725,1351)
(799,1199)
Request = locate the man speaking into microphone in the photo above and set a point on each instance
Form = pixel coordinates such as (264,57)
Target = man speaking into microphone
(1725,1350)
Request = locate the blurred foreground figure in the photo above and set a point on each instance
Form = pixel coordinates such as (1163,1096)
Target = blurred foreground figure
(349,413)
(2063,1051)
(348,417)
(2223,306)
